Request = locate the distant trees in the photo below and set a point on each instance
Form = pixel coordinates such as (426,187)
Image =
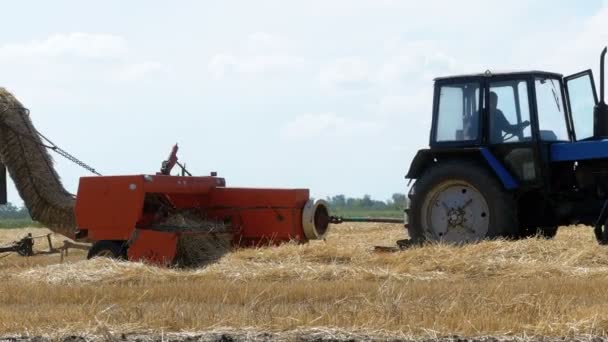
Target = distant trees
(11,211)
(399,200)
(396,202)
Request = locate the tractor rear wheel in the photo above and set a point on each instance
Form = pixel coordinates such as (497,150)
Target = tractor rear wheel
(459,202)
(108,249)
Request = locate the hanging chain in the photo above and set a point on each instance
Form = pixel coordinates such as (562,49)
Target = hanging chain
(74,160)
(51,145)
(67,155)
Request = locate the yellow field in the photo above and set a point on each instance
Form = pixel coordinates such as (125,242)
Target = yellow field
(524,288)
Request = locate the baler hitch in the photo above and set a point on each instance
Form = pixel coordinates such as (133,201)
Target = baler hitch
(23,247)
(340,219)
(401,244)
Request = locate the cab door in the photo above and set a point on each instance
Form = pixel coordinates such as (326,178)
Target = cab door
(581,99)
(510,133)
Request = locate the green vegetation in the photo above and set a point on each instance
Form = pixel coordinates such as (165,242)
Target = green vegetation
(18,223)
(12,216)
(367,207)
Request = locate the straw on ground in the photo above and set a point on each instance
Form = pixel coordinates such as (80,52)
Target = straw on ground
(531,287)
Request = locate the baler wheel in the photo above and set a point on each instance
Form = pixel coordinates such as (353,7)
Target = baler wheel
(108,249)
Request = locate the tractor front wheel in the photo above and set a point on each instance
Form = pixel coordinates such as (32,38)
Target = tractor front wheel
(459,202)
(108,249)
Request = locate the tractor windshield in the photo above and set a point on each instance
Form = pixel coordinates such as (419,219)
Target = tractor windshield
(550,107)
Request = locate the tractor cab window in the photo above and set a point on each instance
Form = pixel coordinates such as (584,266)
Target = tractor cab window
(458,112)
(551,111)
(509,112)
(581,99)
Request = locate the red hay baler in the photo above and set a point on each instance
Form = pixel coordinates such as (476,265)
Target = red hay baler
(130,216)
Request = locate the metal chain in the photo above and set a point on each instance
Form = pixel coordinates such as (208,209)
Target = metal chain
(52,146)
(74,160)
(67,155)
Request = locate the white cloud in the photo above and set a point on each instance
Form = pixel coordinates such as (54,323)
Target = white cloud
(417,103)
(138,71)
(417,61)
(264,42)
(346,74)
(403,64)
(328,125)
(223,65)
(84,45)
(68,60)
(264,54)
(580,50)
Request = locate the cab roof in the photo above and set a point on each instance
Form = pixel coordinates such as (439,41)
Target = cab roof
(490,73)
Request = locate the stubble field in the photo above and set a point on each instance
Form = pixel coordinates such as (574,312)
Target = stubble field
(336,288)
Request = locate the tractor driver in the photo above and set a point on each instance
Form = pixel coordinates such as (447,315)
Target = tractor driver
(499,124)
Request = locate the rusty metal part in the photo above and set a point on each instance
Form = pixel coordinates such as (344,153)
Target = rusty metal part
(401,245)
(23,247)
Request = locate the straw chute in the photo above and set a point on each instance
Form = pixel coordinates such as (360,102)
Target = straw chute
(32,169)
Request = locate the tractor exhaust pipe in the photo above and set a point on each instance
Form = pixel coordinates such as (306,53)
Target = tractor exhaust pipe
(600,112)
(602,65)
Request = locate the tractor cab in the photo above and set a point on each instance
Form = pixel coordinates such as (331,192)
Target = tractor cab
(514,116)
(510,154)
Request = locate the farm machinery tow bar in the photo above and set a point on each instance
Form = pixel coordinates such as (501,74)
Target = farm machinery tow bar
(25,247)
(340,219)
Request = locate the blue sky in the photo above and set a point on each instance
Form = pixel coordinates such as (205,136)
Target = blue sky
(334,96)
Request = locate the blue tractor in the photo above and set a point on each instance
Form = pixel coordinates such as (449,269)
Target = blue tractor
(512,155)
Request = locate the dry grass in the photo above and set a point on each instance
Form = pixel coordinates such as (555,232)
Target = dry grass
(530,287)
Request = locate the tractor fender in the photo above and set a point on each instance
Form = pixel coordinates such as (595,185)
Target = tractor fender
(427,157)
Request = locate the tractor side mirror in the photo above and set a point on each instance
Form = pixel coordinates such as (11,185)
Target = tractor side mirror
(600,112)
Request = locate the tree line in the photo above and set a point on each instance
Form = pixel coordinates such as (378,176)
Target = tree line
(397,201)
(13,212)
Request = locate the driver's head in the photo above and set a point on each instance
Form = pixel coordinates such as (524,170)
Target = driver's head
(493,100)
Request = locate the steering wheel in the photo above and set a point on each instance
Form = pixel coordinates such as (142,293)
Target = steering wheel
(519,133)
(508,136)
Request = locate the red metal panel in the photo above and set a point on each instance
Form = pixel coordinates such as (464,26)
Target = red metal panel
(153,246)
(109,207)
(181,185)
(258,197)
(260,215)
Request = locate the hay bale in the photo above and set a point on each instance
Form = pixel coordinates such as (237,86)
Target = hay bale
(198,250)
(31,168)
(201,241)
